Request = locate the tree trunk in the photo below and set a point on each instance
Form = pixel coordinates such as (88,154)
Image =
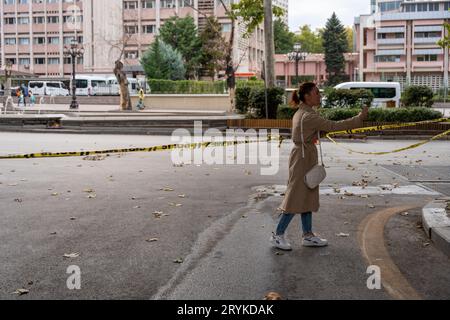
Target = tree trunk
(269,45)
(125,98)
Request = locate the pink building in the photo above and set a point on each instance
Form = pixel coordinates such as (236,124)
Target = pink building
(34,32)
(313,67)
(398,42)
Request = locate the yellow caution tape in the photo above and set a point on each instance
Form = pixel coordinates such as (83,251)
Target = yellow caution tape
(390,126)
(132,150)
(233,143)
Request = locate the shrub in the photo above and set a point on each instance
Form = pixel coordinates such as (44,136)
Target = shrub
(257,102)
(418,96)
(252,101)
(344,98)
(286,112)
(242,99)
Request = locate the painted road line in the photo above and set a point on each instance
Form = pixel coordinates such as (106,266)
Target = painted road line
(373,248)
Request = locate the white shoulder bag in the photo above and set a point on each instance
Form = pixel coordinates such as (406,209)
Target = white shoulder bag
(317,174)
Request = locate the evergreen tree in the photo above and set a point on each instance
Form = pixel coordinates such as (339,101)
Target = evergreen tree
(213,47)
(284,39)
(182,35)
(335,45)
(161,61)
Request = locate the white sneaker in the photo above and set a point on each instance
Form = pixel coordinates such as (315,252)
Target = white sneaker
(314,241)
(280,242)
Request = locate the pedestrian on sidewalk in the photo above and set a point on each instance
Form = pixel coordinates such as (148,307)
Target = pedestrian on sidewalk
(32,99)
(140,105)
(25,93)
(299,199)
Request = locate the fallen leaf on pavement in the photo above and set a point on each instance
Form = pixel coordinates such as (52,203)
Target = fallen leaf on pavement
(21,291)
(344,235)
(157,214)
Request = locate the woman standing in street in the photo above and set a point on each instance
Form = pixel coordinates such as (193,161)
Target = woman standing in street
(299,199)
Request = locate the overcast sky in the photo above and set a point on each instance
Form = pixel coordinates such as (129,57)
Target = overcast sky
(316,12)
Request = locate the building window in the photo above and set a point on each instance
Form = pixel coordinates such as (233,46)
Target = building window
(186,3)
(226,27)
(24,61)
(130,5)
(39,60)
(24,41)
(53,61)
(167,3)
(131,29)
(131,55)
(39,40)
(148,4)
(148,28)
(10,41)
(387,58)
(427,58)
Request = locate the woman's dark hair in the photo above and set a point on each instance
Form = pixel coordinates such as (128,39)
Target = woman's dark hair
(299,95)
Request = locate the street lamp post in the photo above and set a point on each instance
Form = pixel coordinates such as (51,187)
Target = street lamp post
(297,55)
(7,91)
(74,51)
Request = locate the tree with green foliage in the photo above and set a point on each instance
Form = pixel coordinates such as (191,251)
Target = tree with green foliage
(161,61)
(182,35)
(335,45)
(311,41)
(284,39)
(213,47)
(350,35)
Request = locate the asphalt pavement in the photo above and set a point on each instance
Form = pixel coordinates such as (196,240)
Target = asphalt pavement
(139,227)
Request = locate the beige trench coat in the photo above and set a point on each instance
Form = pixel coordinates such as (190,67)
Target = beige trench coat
(299,198)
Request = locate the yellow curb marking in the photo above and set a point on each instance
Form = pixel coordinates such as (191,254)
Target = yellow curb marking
(371,242)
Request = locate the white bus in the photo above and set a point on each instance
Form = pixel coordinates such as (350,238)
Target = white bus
(386,94)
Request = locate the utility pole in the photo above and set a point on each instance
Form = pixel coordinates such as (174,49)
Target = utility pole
(269,45)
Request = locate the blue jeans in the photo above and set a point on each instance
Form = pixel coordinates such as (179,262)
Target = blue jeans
(286,219)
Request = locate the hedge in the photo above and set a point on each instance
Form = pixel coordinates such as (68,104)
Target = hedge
(375,115)
(187,87)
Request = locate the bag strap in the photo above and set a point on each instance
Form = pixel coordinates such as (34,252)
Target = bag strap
(303,140)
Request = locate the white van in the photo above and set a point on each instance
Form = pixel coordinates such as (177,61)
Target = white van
(48,88)
(386,94)
(133,85)
(91,86)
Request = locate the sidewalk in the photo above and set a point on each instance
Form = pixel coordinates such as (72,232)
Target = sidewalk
(436,223)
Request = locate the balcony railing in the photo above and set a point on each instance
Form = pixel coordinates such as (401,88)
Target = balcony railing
(427,40)
(391,41)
